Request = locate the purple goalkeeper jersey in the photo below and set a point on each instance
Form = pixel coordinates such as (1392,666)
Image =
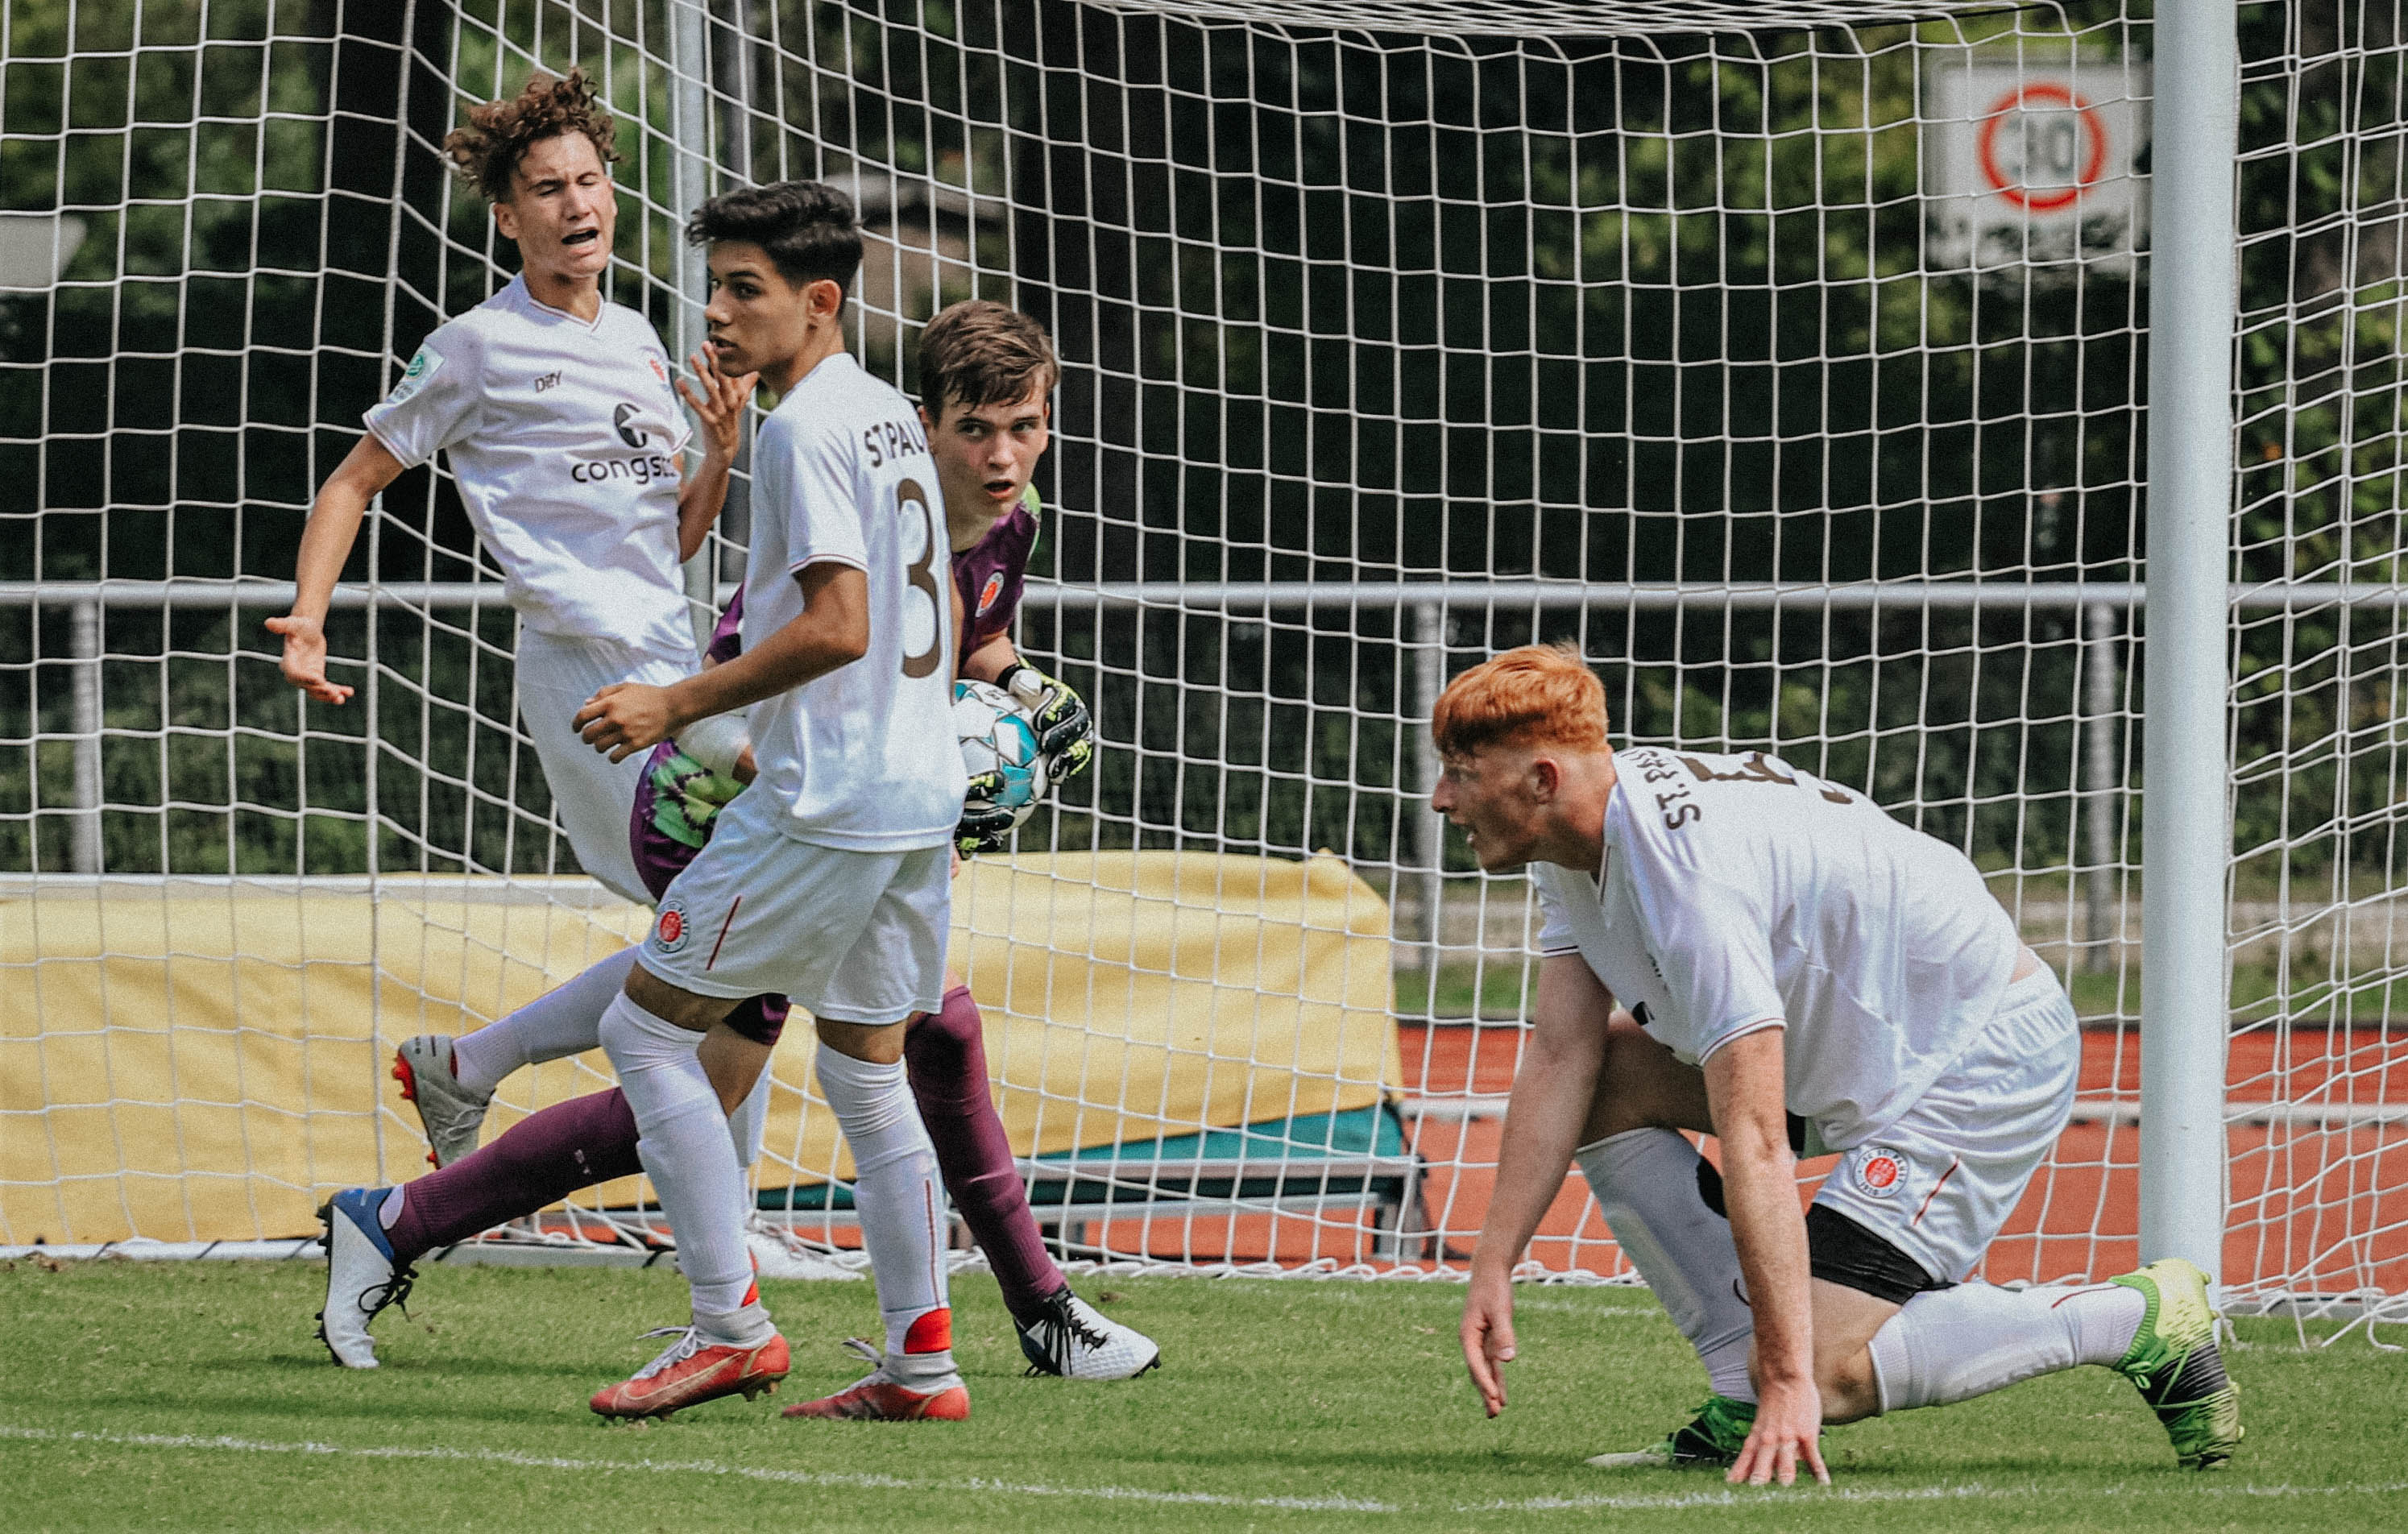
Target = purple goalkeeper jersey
(668,825)
(991,575)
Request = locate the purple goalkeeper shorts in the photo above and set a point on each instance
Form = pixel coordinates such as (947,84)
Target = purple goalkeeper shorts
(657,834)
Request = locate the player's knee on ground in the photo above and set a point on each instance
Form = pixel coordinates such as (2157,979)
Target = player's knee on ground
(1847,1384)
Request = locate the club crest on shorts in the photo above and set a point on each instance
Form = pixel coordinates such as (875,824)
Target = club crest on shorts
(669,931)
(1877,1172)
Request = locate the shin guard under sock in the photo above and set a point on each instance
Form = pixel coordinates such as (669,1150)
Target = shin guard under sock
(1953,1345)
(686,1151)
(902,1213)
(1647,1186)
(946,1053)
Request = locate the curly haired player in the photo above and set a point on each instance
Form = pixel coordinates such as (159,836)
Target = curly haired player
(1801,973)
(560,421)
(986,377)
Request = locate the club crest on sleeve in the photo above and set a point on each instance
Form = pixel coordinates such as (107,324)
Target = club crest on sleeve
(425,366)
(988,593)
(659,370)
(671,928)
(1877,1172)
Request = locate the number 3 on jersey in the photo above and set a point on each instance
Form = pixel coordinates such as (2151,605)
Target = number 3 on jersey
(923,577)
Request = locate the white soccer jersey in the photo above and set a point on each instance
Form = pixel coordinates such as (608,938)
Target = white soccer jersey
(1740,892)
(863,758)
(565,437)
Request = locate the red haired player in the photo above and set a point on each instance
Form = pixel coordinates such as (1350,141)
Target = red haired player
(1802,974)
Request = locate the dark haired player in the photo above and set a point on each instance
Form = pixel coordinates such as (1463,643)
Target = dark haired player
(987,373)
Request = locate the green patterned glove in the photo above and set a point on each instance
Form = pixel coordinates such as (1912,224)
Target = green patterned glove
(1066,731)
(984,828)
(687,796)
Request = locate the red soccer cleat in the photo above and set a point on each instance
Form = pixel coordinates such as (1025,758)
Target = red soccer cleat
(878,1399)
(689,1373)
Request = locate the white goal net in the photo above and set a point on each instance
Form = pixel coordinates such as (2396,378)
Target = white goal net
(1792,362)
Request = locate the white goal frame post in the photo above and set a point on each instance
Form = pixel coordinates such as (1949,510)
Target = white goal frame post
(1357,389)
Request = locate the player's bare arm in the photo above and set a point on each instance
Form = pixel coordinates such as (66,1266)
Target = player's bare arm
(1743,1089)
(991,659)
(718,400)
(327,540)
(833,630)
(1552,1092)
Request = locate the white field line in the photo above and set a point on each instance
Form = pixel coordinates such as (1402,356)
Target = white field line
(1669,1502)
(850,1479)
(2175,1484)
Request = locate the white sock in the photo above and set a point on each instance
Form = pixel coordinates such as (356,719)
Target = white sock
(1953,1344)
(901,1201)
(564,1021)
(752,1115)
(686,1152)
(1647,1186)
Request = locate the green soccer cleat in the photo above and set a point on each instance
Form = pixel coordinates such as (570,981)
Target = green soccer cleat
(1711,1440)
(2178,1366)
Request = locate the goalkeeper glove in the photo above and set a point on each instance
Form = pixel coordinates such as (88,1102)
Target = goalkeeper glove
(1065,732)
(983,827)
(687,796)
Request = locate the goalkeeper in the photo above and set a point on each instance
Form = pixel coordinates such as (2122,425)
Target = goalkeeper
(990,373)
(1802,974)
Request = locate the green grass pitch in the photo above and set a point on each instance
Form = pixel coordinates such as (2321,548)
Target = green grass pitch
(193,1395)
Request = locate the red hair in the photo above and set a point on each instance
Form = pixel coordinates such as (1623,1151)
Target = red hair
(1539,695)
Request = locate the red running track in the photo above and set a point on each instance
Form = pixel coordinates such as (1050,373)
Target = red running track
(2313,1207)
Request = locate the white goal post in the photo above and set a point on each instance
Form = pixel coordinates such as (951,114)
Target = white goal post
(1999,411)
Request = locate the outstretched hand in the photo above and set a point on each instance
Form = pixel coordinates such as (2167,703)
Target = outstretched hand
(304,658)
(720,402)
(1789,1432)
(1488,1337)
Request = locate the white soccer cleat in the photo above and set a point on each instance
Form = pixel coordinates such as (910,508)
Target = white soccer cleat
(1077,1341)
(451,1115)
(362,1278)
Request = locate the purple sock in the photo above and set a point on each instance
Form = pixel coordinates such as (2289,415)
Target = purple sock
(945,1052)
(544,1159)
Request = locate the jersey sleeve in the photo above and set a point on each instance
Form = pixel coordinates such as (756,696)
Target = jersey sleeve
(1712,942)
(1554,916)
(436,402)
(822,509)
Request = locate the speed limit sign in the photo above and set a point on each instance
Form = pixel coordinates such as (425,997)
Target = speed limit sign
(2031,163)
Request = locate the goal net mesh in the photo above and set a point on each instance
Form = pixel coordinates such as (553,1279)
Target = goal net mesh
(1791,364)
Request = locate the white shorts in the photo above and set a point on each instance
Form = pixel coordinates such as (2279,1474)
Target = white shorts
(851,937)
(592,795)
(1940,1181)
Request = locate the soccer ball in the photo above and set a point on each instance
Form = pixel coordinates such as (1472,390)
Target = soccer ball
(998,734)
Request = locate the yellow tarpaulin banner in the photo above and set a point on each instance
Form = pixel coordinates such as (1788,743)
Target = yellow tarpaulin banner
(192,1060)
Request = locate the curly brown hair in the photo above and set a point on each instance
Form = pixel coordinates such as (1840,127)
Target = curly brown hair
(486,153)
